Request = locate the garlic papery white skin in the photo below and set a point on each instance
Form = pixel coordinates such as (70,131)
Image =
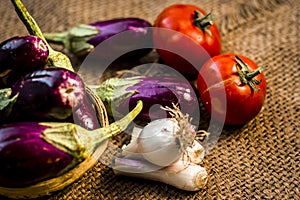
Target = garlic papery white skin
(180,174)
(194,153)
(163,141)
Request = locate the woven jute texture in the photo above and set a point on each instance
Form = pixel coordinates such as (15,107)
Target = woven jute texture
(257,161)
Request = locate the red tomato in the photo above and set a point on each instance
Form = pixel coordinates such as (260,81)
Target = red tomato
(181,52)
(232,88)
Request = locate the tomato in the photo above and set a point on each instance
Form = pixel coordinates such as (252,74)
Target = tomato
(241,82)
(178,51)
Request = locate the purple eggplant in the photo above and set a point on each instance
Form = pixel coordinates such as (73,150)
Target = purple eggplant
(86,115)
(82,39)
(31,152)
(51,94)
(120,94)
(26,157)
(48,94)
(20,55)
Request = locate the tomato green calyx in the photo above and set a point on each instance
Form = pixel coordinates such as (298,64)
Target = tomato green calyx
(246,76)
(203,22)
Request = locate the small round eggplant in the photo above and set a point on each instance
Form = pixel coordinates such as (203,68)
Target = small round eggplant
(86,115)
(20,55)
(47,94)
(31,152)
(82,39)
(26,157)
(120,94)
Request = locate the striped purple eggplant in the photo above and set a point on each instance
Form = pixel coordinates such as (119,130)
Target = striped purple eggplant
(82,39)
(48,94)
(26,157)
(20,55)
(86,114)
(31,152)
(120,95)
(51,94)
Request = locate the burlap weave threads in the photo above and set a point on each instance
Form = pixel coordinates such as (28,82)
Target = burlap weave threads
(257,161)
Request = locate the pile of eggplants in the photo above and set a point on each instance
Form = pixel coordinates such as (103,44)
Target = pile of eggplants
(31,152)
(40,92)
(49,121)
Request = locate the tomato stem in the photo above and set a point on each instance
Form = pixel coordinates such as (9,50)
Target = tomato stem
(246,76)
(251,75)
(203,22)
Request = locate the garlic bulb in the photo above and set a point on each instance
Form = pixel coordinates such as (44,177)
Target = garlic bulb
(163,141)
(158,143)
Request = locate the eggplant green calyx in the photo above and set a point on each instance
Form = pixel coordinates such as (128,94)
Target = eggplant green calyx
(247,77)
(79,142)
(116,91)
(55,58)
(203,22)
(6,103)
(76,39)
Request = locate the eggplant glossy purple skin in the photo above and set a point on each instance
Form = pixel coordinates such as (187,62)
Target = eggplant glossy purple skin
(85,116)
(25,157)
(112,27)
(140,36)
(20,55)
(48,94)
(83,39)
(121,95)
(162,91)
(153,96)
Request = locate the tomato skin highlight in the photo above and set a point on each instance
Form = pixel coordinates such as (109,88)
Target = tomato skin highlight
(242,103)
(180,18)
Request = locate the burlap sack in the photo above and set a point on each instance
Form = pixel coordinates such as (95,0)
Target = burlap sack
(257,161)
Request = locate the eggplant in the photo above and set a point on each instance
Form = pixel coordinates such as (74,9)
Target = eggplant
(31,152)
(51,94)
(26,157)
(120,94)
(20,55)
(86,114)
(47,94)
(82,39)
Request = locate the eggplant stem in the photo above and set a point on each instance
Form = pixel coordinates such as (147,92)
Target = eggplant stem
(56,58)
(120,125)
(57,38)
(28,21)
(79,142)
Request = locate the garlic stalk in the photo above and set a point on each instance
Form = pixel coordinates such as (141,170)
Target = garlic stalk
(183,175)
